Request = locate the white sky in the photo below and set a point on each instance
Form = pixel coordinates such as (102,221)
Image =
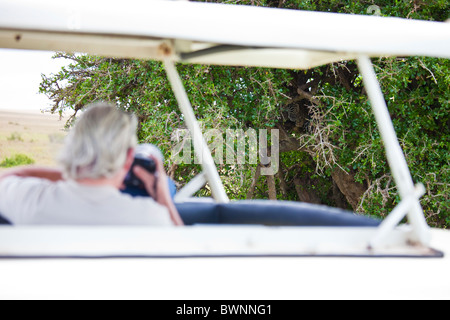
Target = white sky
(20,75)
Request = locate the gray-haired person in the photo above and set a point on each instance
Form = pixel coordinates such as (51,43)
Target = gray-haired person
(96,157)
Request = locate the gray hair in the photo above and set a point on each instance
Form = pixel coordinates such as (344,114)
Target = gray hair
(97,145)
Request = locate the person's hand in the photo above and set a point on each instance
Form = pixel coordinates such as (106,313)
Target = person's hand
(156,183)
(157,186)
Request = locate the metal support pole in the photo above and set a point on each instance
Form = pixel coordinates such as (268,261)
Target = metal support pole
(394,154)
(200,146)
(190,188)
(396,215)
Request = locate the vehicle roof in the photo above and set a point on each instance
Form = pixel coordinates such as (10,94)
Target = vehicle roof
(230,278)
(214,33)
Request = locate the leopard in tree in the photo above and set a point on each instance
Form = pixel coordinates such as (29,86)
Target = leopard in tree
(297,114)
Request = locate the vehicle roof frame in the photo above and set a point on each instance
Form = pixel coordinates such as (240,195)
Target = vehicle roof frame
(409,193)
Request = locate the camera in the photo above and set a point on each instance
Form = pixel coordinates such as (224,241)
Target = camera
(135,187)
(134,182)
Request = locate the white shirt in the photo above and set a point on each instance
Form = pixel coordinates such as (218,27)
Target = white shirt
(26,201)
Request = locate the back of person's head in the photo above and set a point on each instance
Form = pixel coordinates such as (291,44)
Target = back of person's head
(97,145)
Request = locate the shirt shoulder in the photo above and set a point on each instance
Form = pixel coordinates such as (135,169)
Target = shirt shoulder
(19,197)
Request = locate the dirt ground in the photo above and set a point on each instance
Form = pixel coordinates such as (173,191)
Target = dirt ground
(38,135)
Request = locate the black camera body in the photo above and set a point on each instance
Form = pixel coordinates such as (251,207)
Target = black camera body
(131,181)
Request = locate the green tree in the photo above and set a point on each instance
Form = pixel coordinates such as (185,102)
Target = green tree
(331,151)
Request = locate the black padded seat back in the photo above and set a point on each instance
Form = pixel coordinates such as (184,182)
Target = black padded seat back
(3,220)
(285,213)
(270,213)
(198,212)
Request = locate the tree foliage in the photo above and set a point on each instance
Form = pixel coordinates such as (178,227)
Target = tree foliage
(331,150)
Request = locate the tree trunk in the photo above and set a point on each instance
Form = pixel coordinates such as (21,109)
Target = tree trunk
(351,189)
(303,194)
(256,175)
(283,185)
(272,188)
(338,197)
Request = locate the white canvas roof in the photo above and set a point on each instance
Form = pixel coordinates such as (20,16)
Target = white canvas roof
(214,33)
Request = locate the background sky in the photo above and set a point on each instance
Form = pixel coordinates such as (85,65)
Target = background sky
(20,75)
